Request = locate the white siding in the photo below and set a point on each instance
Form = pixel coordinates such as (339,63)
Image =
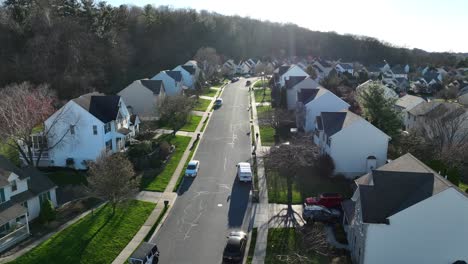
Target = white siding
(328,102)
(292,93)
(351,146)
(142,100)
(431,231)
(186,76)
(171,86)
(293,71)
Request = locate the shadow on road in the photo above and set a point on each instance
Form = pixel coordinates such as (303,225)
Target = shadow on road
(239,202)
(185,185)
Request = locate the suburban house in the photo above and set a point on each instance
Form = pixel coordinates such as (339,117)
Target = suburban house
(246,66)
(144,97)
(294,85)
(311,102)
(404,212)
(344,67)
(285,72)
(172,80)
(399,71)
(355,145)
(188,75)
(194,64)
(323,68)
(229,67)
(22,192)
(388,92)
(463,95)
(404,104)
(83,129)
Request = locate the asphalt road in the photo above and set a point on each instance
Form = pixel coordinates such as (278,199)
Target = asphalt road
(215,202)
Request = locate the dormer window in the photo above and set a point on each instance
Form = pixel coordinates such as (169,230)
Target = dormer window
(14,187)
(107,127)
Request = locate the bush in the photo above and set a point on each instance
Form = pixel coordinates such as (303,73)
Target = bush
(47,213)
(139,150)
(145,135)
(325,166)
(453,174)
(164,149)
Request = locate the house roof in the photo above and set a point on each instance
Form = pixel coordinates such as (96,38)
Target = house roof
(346,66)
(9,211)
(283,69)
(123,131)
(335,121)
(38,182)
(424,108)
(414,181)
(176,75)
(154,85)
(6,168)
(189,68)
(307,95)
(103,107)
(373,68)
(324,63)
(293,80)
(398,69)
(409,101)
(431,75)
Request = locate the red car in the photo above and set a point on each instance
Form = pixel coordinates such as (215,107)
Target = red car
(329,200)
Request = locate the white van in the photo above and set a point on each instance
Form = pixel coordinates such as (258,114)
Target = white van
(244,172)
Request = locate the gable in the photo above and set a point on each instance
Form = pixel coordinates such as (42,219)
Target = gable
(295,71)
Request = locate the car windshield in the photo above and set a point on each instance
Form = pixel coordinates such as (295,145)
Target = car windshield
(191,167)
(232,247)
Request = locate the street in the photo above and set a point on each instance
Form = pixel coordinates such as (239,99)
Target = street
(215,202)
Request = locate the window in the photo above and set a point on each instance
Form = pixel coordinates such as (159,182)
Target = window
(43,197)
(107,127)
(2,195)
(25,204)
(72,129)
(328,141)
(94,130)
(119,143)
(14,187)
(4,228)
(109,145)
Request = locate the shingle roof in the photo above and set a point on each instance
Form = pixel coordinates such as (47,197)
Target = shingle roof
(189,68)
(9,211)
(283,69)
(176,75)
(293,80)
(335,121)
(103,107)
(408,101)
(424,108)
(346,66)
(154,85)
(396,186)
(398,69)
(6,167)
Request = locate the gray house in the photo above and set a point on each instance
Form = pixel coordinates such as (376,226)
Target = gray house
(144,97)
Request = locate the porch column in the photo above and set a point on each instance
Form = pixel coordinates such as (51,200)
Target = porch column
(27,222)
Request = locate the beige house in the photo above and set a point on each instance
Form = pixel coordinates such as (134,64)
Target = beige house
(143,97)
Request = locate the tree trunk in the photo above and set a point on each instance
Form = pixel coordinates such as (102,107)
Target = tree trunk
(289,183)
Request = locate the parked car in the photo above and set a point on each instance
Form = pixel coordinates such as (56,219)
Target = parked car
(218,102)
(235,247)
(247,76)
(320,213)
(146,253)
(244,172)
(192,168)
(329,200)
(248,83)
(235,79)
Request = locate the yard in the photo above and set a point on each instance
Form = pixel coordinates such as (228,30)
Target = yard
(282,242)
(210,92)
(63,177)
(267,135)
(192,123)
(261,83)
(97,238)
(308,184)
(260,97)
(159,182)
(201,105)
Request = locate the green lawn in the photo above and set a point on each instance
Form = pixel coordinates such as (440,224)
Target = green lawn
(153,228)
(260,83)
(201,105)
(286,241)
(192,123)
(65,177)
(160,181)
(263,109)
(11,153)
(253,241)
(308,184)
(97,238)
(463,186)
(267,135)
(211,92)
(259,98)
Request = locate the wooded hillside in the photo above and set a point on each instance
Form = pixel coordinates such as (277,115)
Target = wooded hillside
(78,46)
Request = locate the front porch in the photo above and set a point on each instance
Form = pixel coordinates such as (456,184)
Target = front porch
(14,226)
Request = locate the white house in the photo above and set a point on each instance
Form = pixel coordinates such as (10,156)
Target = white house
(229,67)
(344,67)
(172,80)
(404,212)
(83,129)
(188,75)
(311,102)
(294,85)
(355,145)
(244,67)
(144,97)
(194,64)
(292,70)
(388,92)
(21,193)
(405,104)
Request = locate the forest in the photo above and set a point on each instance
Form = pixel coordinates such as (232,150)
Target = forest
(77,46)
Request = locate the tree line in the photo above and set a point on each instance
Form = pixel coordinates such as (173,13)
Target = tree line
(77,46)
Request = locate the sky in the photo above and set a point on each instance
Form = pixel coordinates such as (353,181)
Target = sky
(432,25)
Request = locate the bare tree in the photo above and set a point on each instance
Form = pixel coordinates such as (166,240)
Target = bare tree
(287,160)
(276,118)
(209,61)
(112,178)
(23,110)
(175,111)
